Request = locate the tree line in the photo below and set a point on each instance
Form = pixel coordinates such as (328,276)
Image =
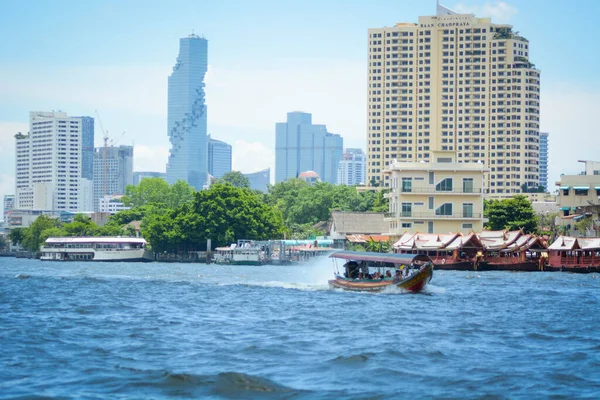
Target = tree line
(176,218)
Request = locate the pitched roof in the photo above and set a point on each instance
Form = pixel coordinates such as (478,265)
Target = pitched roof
(431,241)
(359,222)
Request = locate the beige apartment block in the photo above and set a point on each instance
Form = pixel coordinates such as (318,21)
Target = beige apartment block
(440,196)
(459,83)
(579,197)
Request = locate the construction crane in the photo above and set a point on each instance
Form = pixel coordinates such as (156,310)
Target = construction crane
(105,139)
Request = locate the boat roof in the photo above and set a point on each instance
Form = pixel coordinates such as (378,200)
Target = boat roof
(95,239)
(573,243)
(380,257)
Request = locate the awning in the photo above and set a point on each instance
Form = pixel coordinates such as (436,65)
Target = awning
(597,187)
(565,187)
(581,187)
(578,217)
(564,208)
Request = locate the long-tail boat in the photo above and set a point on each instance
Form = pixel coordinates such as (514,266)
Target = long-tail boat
(453,251)
(375,272)
(512,251)
(574,254)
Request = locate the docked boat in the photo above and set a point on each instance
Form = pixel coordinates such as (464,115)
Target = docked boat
(375,272)
(95,249)
(574,255)
(512,251)
(453,251)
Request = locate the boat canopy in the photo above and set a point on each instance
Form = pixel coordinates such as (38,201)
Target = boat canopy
(380,257)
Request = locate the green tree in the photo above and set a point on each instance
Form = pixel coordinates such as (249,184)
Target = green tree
(33,234)
(3,244)
(16,236)
(148,191)
(180,193)
(80,226)
(511,214)
(237,179)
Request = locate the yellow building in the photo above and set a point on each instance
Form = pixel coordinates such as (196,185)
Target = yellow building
(441,196)
(579,198)
(454,82)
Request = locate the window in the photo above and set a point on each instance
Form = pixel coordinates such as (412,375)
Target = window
(431,178)
(407,184)
(467,185)
(406,225)
(430,227)
(406,209)
(444,209)
(431,203)
(581,190)
(467,210)
(467,226)
(444,186)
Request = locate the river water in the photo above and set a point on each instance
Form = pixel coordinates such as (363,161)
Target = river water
(128,330)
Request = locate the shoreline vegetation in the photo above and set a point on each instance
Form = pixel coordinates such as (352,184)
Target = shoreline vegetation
(176,219)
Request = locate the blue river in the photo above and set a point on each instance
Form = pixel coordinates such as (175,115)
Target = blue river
(128,330)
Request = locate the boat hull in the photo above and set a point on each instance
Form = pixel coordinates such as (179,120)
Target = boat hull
(414,283)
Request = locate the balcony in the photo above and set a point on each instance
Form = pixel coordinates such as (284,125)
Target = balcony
(420,190)
(431,216)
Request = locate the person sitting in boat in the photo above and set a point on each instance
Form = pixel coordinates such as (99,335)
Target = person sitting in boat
(388,274)
(360,277)
(398,276)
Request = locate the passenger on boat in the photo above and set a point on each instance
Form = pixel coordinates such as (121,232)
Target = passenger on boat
(360,277)
(388,274)
(398,276)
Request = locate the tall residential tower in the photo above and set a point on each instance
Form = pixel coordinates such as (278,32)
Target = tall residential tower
(186,124)
(454,82)
(544,159)
(52,167)
(301,146)
(352,169)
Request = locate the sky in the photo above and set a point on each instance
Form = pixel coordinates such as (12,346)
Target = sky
(111,60)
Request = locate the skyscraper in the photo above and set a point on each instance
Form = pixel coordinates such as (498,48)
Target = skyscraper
(113,171)
(87,148)
(49,164)
(186,124)
(454,82)
(352,169)
(301,146)
(544,160)
(219,157)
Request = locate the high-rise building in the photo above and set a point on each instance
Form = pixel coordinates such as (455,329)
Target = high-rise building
(544,159)
(454,82)
(219,157)
(352,169)
(113,171)
(87,148)
(49,164)
(9,204)
(302,146)
(186,122)
(259,180)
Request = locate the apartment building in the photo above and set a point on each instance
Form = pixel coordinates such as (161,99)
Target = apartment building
(439,196)
(352,169)
(50,163)
(113,172)
(459,83)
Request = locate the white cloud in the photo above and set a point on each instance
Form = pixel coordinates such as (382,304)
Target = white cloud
(150,158)
(252,156)
(567,114)
(499,11)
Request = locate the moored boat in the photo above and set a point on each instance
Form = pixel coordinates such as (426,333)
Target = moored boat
(95,249)
(371,272)
(572,254)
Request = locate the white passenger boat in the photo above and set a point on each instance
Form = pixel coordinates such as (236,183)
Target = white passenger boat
(95,249)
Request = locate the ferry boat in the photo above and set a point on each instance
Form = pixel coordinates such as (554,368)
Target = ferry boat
(573,254)
(95,249)
(411,272)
